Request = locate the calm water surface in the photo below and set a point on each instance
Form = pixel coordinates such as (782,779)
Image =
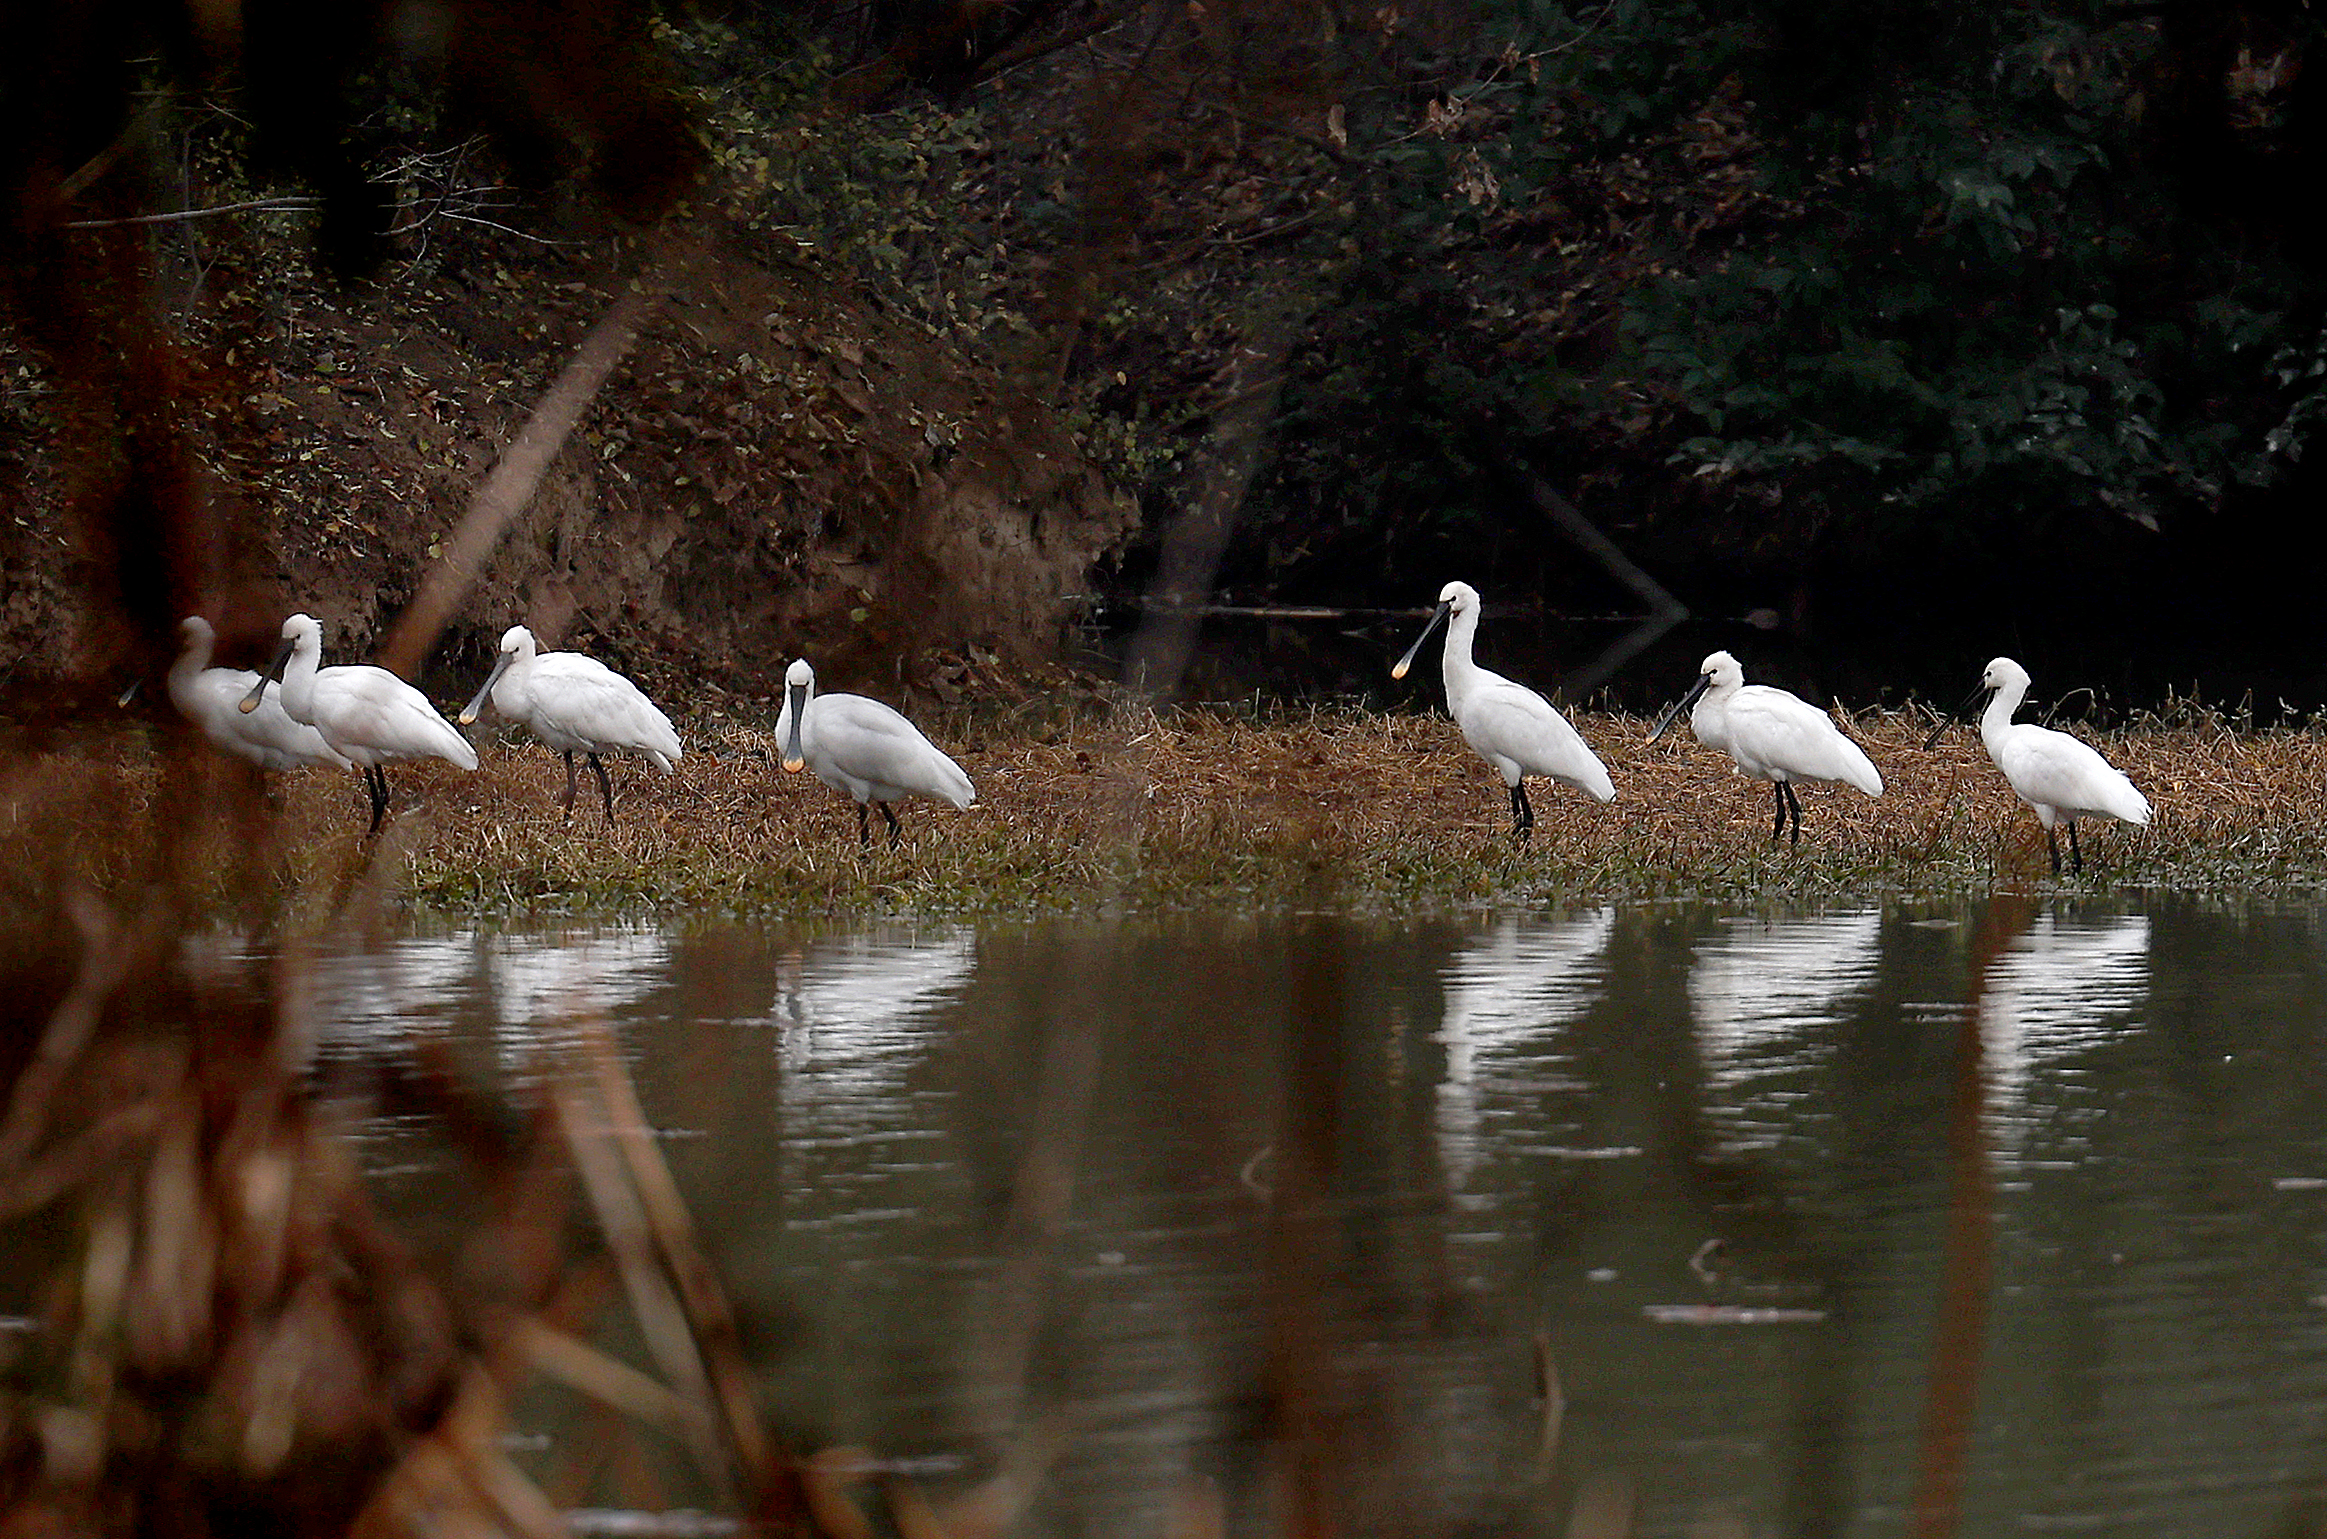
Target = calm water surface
(1813,1217)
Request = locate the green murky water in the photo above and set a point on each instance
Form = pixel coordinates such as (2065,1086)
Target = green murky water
(1810,1219)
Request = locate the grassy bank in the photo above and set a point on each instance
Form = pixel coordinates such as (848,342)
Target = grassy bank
(1343,811)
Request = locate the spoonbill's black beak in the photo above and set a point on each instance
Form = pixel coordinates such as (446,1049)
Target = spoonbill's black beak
(1406,662)
(1971,703)
(500,666)
(130,693)
(1673,712)
(794,760)
(273,675)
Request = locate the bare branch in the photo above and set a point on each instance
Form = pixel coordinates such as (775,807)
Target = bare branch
(1026,53)
(294,203)
(490,224)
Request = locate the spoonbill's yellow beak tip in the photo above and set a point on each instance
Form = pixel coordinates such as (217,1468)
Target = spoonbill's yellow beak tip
(794,766)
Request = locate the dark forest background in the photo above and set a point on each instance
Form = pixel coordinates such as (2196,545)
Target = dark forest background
(1885,339)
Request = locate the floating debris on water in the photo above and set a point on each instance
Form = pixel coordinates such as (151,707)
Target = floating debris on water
(1729,1314)
(621,1523)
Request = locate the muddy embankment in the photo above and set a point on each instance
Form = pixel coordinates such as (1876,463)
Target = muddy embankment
(777,468)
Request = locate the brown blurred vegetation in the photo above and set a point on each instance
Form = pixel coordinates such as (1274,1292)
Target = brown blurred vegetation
(209,1328)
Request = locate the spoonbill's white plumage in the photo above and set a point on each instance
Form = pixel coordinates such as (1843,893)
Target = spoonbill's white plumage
(1511,726)
(208,697)
(864,749)
(2062,778)
(1772,735)
(576,705)
(368,715)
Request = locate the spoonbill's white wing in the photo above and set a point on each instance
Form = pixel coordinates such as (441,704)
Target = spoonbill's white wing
(576,702)
(212,700)
(2051,769)
(871,745)
(373,716)
(1514,726)
(1769,730)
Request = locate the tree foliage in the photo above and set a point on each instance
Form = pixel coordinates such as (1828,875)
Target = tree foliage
(1938,267)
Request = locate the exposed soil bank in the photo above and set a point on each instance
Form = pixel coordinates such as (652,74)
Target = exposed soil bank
(1346,812)
(777,467)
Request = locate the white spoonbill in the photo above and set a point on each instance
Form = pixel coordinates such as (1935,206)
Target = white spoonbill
(863,748)
(575,704)
(2060,777)
(206,696)
(366,714)
(1511,726)
(1773,736)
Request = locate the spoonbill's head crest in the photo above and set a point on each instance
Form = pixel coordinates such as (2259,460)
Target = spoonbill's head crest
(516,646)
(1456,598)
(301,630)
(1722,670)
(1718,668)
(2003,673)
(799,683)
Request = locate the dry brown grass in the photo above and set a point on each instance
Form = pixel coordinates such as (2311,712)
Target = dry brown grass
(1342,810)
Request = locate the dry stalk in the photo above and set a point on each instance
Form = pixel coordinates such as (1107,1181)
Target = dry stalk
(826,1479)
(712,1320)
(107,953)
(1553,1400)
(662,1320)
(583,1368)
(70,1166)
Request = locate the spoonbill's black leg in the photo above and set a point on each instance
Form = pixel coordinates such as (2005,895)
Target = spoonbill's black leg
(864,827)
(604,789)
(2052,843)
(2076,857)
(1794,803)
(376,782)
(568,803)
(1522,812)
(1777,791)
(894,829)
